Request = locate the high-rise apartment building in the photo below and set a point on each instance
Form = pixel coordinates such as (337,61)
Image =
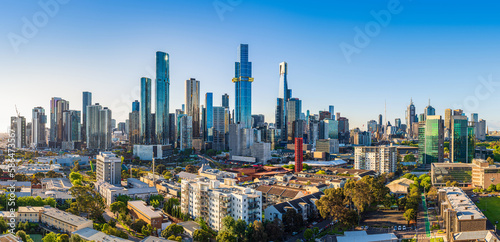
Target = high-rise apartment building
(219,128)
(294,109)
(38,123)
(225,100)
(381,159)
(185,131)
(243,87)
(410,119)
(105,129)
(99,127)
(109,168)
(18,125)
(134,134)
(86,101)
(213,200)
(172,128)
(299,154)
(462,140)
(162,98)
(72,126)
(146,121)
(209,116)
(192,102)
(431,140)
(57,107)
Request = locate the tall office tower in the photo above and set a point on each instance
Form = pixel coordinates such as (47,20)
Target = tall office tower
(331,109)
(225,100)
(358,137)
(109,168)
(243,87)
(431,140)
(219,128)
(381,159)
(113,123)
(371,126)
(299,154)
(447,118)
(39,120)
(380,124)
(122,127)
(29,133)
(410,118)
(280,118)
(209,116)
(313,133)
(193,104)
(462,144)
(203,125)
(429,110)
(57,107)
(86,101)
(343,125)
(18,125)
(185,130)
(172,129)
(458,112)
(134,134)
(258,120)
(294,109)
(474,117)
(324,115)
(126,126)
(105,129)
(283,85)
(146,121)
(72,126)
(397,123)
(480,130)
(308,113)
(331,128)
(93,126)
(298,127)
(162,97)
(136,106)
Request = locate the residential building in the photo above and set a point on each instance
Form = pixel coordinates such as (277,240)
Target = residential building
(134,125)
(185,131)
(109,192)
(192,102)
(305,206)
(243,88)
(219,128)
(381,159)
(213,200)
(57,107)
(39,121)
(208,129)
(108,168)
(162,98)
(86,101)
(18,125)
(146,121)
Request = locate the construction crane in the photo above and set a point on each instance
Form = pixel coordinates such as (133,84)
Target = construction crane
(18,115)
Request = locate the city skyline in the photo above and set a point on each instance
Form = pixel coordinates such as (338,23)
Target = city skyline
(372,74)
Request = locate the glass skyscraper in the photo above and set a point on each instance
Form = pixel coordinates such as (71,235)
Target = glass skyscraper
(136,106)
(193,105)
(225,100)
(209,118)
(431,140)
(462,140)
(162,98)
(281,102)
(243,88)
(146,122)
(86,101)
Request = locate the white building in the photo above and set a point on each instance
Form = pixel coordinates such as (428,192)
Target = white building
(109,168)
(109,192)
(381,159)
(261,151)
(213,201)
(65,160)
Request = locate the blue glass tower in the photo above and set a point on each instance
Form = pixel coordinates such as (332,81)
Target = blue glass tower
(162,97)
(243,88)
(209,119)
(136,106)
(146,122)
(86,101)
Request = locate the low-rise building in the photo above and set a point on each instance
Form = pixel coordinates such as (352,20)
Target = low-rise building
(90,234)
(139,210)
(354,236)
(400,186)
(273,194)
(63,221)
(479,173)
(109,192)
(473,236)
(64,160)
(306,206)
(29,214)
(8,237)
(189,227)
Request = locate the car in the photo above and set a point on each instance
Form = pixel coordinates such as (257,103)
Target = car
(404,227)
(395,227)
(295,233)
(366,227)
(399,227)
(314,223)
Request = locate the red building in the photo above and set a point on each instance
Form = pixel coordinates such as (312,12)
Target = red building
(299,155)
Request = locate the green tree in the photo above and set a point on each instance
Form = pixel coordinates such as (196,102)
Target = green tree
(118,207)
(275,230)
(201,235)
(89,201)
(63,238)
(321,172)
(50,237)
(331,205)
(225,236)
(172,229)
(491,188)
(308,234)
(409,215)
(75,238)
(259,232)
(26,238)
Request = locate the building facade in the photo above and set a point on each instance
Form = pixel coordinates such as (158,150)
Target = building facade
(381,159)
(243,88)
(108,168)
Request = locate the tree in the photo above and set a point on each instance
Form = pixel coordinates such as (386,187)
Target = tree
(292,221)
(147,230)
(308,234)
(89,201)
(118,207)
(172,229)
(225,236)
(228,224)
(358,192)
(331,205)
(63,238)
(192,169)
(498,187)
(50,237)
(409,158)
(75,238)
(239,228)
(160,168)
(259,232)
(167,175)
(491,188)
(26,238)
(138,224)
(201,235)
(490,161)
(274,230)
(321,172)
(410,215)
(76,177)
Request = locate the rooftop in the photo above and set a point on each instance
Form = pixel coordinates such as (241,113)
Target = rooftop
(190,225)
(57,183)
(29,209)
(9,238)
(462,204)
(156,239)
(64,216)
(146,210)
(362,236)
(89,234)
(482,235)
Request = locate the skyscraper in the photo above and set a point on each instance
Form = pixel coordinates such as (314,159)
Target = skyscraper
(57,107)
(72,126)
(39,120)
(431,140)
(209,116)
(146,122)
(185,130)
(193,105)
(429,110)
(294,109)
(219,128)
(447,118)
(410,118)
(93,126)
(162,98)
(136,106)
(331,109)
(134,134)
(18,125)
(86,101)
(281,103)
(299,154)
(462,144)
(105,129)
(225,100)
(243,88)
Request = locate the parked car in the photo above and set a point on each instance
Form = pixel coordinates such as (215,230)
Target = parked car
(395,227)
(366,227)
(404,227)
(399,227)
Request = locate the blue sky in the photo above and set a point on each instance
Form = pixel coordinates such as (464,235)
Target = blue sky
(426,50)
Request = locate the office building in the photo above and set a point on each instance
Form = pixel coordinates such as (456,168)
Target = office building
(86,101)
(282,100)
(358,137)
(18,125)
(324,115)
(185,131)
(225,100)
(71,126)
(162,98)
(331,109)
(381,159)
(213,200)
(93,126)
(371,126)
(330,146)
(209,116)
(331,129)
(172,129)
(136,106)
(429,110)
(258,120)
(462,140)
(294,109)
(431,140)
(134,128)
(479,174)
(240,140)
(38,124)
(261,151)
(108,168)
(243,88)
(192,102)
(280,117)
(410,119)
(480,130)
(139,210)
(219,128)
(57,107)
(145,109)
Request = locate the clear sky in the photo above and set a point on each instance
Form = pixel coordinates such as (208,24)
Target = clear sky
(417,49)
